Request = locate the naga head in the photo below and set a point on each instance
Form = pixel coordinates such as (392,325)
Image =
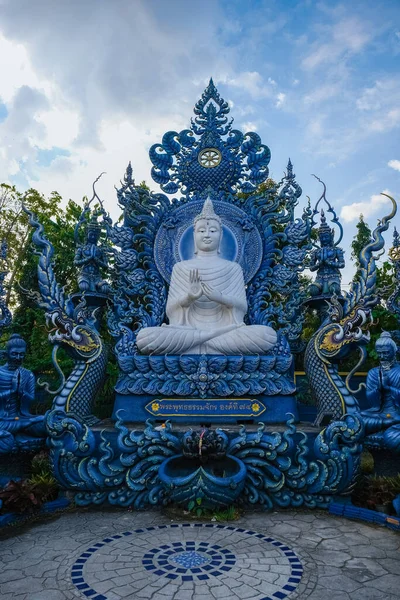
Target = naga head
(77,336)
(344,332)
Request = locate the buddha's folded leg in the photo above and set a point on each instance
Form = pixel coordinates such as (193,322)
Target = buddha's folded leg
(375,422)
(167,340)
(36,428)
(253,339)
(12,425)
(177,340)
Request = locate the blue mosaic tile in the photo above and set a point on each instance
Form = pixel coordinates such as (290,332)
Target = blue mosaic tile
(188,560)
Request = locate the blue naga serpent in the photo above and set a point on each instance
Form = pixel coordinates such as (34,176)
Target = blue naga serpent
(73,329)
(344,330)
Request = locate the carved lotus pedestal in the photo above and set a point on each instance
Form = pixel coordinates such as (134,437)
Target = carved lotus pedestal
(208,388)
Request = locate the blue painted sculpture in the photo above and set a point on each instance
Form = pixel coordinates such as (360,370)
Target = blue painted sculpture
(206,303)
(19,429)
(393,302)
(173,370)
(5,314)
(195,164)
(343,331)
(92,260)
(383,389)
(327,260)
(142,468)
(211,160)
(382,419)
(75,329)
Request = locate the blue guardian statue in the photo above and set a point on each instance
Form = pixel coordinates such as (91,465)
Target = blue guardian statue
(327,260)
(92,260)
(383,394)
(18,427)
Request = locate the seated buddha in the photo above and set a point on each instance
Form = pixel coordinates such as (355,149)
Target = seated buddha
(206,303)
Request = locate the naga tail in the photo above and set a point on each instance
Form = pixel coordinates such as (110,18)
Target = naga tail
(363,288)
(52,294)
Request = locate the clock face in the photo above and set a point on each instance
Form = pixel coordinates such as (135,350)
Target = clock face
(210,158)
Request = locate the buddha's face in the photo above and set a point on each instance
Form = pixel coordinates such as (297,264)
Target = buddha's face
(207,235)
(386,354)
(16,355)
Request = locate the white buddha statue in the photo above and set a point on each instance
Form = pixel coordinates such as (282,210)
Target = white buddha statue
(206,303)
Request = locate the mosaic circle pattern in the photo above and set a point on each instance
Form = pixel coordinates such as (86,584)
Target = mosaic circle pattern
(204,554)
(200,559)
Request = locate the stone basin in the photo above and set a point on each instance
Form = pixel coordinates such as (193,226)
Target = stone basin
(218,483)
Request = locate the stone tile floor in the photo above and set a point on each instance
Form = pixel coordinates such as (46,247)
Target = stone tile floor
(120,555)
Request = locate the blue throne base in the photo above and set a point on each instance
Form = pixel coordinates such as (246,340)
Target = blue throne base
(258,409)
(207,388)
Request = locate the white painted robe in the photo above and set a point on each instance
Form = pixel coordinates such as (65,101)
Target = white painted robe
(205,326)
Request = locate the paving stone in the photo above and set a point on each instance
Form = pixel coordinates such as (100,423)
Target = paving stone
(339,582)
(50,594)
(321,595)
(390,564)
(369,593)
(368,552)
(10,575)
(387,583)
(332,558)
(26,584)
(342,560)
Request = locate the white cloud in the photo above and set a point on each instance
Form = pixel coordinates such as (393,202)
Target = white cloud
(280,99)
(103,84)
(379,105)
(248,126)
(16,70)
(383,93)
(322,93)
(394,164)
(253,83)
(346,37)
(377,202)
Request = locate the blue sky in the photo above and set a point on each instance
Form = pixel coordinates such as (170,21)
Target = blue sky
(88,86)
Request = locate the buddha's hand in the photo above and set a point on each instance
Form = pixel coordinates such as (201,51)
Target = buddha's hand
(212,294)
(14,382)
(195,288)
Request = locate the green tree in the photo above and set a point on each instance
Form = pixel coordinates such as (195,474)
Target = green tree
(361,239)
(59,223)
